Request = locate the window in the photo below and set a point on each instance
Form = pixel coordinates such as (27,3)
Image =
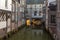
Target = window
(22,2)
(59,26)
(13,18)
(40,13)
(6,3)
(13,6)
(59,5)
(19,1)
(53,20)
(35,13)
(3,17)
(23,14)
(40,5)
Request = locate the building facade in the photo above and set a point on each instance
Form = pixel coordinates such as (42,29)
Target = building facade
(34,9)
(52,19)
(22,11)
(56,28)
(9,16)
(15,14)
(5,16)
(58,19)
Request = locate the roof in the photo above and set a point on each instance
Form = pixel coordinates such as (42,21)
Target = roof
(35,1)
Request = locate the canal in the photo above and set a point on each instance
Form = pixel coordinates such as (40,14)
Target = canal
(30,34)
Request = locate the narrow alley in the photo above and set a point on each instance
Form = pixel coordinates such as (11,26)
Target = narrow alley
(29,19)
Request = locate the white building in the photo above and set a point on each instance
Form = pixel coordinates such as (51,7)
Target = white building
(5,16)
(6,5)
(35,10)
(11,15)
(5,8)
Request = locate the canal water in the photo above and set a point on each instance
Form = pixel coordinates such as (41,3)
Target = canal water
(30,34)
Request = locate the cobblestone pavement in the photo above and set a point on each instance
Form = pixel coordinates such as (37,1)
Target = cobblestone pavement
(27,34)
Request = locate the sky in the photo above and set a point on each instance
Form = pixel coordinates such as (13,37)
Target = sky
(51,0)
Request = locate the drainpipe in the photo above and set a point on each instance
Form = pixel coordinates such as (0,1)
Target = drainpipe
(25,9)
(6,25)
(16,21)
(31,15)
(47,15)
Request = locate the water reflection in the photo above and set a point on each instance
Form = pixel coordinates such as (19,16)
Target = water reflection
(33,34)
